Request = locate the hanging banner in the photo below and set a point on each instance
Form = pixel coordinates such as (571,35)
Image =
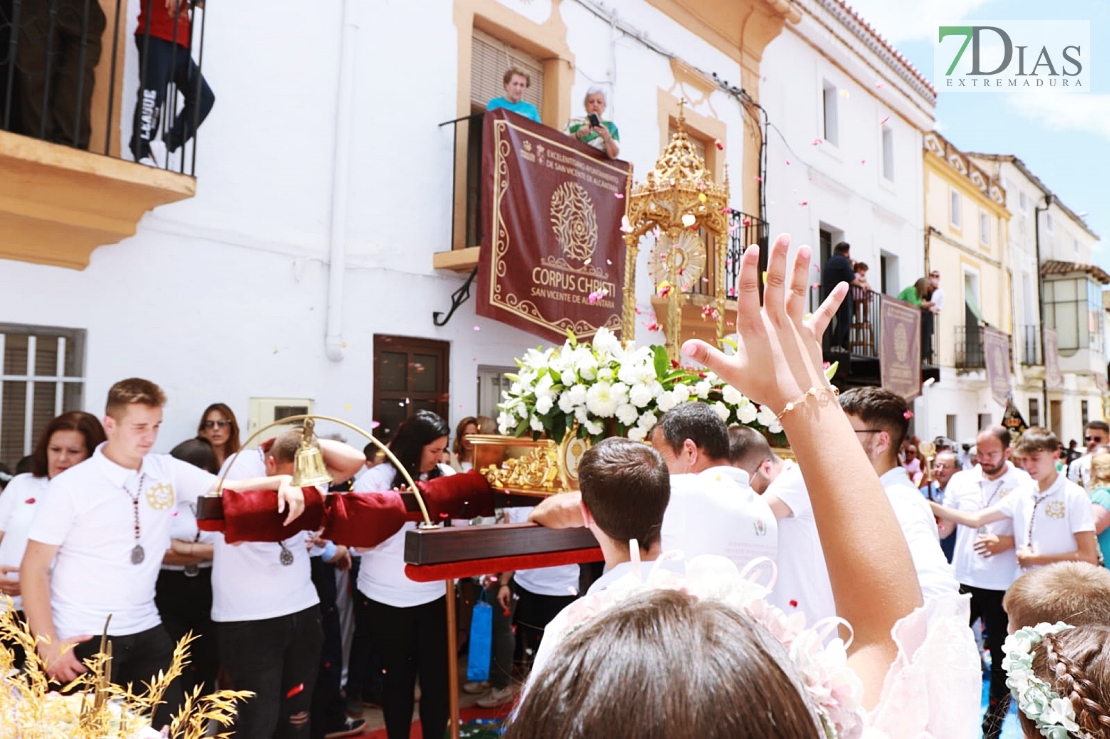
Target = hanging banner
(900,359)
(1052,376)
(996,355)
(552,255)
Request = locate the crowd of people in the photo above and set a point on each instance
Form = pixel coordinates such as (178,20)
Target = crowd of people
(741,590)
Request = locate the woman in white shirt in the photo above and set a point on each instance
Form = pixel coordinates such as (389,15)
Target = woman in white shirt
(68,439)
(408,618)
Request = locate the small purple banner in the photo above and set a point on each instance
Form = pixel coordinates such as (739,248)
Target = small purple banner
(900,359)
(1052,375)
(996,354)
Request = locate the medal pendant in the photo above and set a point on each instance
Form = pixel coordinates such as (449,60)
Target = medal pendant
(137,555)
(286,557)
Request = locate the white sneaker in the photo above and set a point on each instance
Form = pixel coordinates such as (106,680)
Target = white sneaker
(158,152)
(497,697)
(475,688)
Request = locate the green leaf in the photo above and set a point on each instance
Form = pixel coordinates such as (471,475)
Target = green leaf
(662,361)
(572,338)
(558,427)
(512,377)
(521,427)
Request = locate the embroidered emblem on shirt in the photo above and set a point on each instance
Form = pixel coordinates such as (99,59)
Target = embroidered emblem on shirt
(1055,509)
(160,496)
(1004,492)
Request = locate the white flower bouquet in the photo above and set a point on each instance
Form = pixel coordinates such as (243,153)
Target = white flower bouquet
(609,390)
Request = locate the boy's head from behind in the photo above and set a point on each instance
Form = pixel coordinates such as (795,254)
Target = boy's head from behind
(1073,592)
(625,490)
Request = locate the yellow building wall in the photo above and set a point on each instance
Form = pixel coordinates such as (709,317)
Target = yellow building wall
(955,251)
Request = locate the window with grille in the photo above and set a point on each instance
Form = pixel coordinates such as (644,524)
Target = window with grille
(43,375)
(489,58)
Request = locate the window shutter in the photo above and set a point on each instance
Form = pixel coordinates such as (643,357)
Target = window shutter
(490,57)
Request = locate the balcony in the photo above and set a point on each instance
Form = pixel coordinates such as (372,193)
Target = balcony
(969,348)
(64,188)
(860,364)
(1031,346)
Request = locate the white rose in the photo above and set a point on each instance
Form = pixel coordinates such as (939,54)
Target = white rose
(577,395)
(721,410)
(731,395)
(637,433)
(506,424)
(594,428)
(544,405)
(666,401)
(702,389)
(568,377)
(536,423)
(580,414)
(746,413)
(774,427)
(627,414)
(544,388)
(681,394)
(600,400)
(640,395)
(620,392)
(605,343)
(566,404)
(647,420)
(766,416)
(605,375)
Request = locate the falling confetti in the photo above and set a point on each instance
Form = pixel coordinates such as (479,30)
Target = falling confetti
(689,220)
(804,203)
(726,211)
(884,120)
(702,197)
(587,260)
(619,195)
(719,144)
(843,93)
(733,229)
(710,312)
(477,328)
(816,286)
(608,261)
(347,407)
(746,221)
(598,295)
(863,161)
(639,312)
(787,162)
(880,85)
(758,178)
(652,326)
(626,226)
(817,142)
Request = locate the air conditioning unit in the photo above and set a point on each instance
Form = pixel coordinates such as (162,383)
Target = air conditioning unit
(264,411)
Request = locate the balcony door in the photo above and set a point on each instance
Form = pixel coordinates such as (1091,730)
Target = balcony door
(409,375)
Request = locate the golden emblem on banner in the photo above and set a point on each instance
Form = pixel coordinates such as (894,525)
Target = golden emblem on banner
(574,222)
(901,342)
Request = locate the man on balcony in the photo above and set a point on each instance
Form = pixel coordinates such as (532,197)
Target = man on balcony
(836,270)
(164,38)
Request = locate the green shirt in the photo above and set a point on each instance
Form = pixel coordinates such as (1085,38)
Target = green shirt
(593,138)
(910,295)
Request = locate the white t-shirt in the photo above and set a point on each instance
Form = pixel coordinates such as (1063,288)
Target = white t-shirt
(381,576)
(89,514)
(919,525)
(803,579)
(716,512)
(1079,471)
(184,528)
(249,582)
(18,504)
(560,580)
(1053,517)
(970,491)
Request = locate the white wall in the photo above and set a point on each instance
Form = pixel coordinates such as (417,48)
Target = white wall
(842,185)
(223,297)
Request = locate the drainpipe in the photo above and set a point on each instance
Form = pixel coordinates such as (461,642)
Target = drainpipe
(337,247)
(1040,303)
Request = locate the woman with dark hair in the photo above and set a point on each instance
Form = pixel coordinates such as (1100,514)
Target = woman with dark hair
(462,451)
(68,439)
(219,427)
(408,618)
(183,592)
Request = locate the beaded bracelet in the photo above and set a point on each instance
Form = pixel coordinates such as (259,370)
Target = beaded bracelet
(813,391)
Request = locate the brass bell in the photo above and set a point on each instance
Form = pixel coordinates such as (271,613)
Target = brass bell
(309,469)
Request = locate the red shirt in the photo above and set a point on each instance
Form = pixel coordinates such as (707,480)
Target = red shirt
(162,24)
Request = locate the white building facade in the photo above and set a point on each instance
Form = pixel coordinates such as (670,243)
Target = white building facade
(301,274)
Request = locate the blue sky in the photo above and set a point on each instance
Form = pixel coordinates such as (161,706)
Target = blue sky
(1065,140)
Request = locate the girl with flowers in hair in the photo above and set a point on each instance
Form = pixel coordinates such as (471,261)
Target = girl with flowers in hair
(705,655)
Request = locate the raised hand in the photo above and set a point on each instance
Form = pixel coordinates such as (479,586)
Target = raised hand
(778,356)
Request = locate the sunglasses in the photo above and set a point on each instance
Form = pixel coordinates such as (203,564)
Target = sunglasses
(222,423)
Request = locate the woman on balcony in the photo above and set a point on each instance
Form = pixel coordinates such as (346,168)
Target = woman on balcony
(919,293)
(594,130)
